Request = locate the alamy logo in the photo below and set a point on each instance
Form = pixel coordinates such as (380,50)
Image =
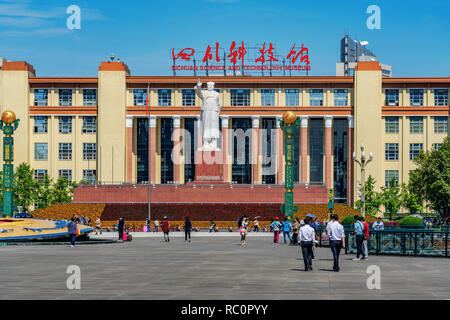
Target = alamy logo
(374,280)
(74,280)
(374,20)
(74,20)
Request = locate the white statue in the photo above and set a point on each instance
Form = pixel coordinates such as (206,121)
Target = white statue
(211,105)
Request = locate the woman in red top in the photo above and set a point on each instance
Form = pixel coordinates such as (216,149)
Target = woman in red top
(366,239)
(166,228)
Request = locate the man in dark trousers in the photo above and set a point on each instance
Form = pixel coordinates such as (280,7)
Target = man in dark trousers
(306,239)
(120,227)
(335,232)
(187,229)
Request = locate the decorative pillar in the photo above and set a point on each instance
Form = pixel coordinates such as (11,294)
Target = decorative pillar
(350,164)
(328,147)
(129,144)
(225,148)
(280,176)
(199,133)
(176,158)
(255,150)
(304,149)
(152,149)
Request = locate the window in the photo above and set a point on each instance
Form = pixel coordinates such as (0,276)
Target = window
(89,151)
(40,97)
(66,174)
(65,124)
(267,97)
(89,124)
(40,151)
(89,176)
(440,124)
(291,97)
(440,97)
(140,97)
(436,146)
(391,124)
(188,97)
(340,97)
(415,125)
(89,97)
(240,97)
(65,97)
(388,175)
(39,175)
(391,97)
(164,97)
(65,151)
(391,151)
(40,124)
(414,149)
(316,97)
(416,97)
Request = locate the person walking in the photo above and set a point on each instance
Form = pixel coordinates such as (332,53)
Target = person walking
(156,226)
(287,228)
(243,230)
(187,229)
(72,230)
(359,235)
(295,229)
(166,229)
(366,235)
(335,232)
(276,225)
(256,225)
(306,238)
(98,225)
(378,225)
(120,227)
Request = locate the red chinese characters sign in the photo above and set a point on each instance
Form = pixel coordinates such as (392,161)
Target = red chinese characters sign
(237,58)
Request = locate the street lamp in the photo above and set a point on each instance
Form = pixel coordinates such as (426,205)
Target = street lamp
(362,163)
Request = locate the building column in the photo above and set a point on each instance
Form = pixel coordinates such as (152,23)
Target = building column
(225,148)
(328,147)
(280,146)
(152,148)
(176,159)
(199,134)
(350,148)
(129,144)
(304,149)
(255,150)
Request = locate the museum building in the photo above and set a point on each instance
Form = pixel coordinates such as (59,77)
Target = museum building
(106,131)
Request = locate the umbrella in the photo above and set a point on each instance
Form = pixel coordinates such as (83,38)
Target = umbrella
(311,215)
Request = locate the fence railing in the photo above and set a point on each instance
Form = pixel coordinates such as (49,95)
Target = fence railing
(405,242)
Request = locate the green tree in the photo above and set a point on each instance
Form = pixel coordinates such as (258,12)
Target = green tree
(63,190)
(410,200)
(431,180)
(390,197)
(25,186)
(373,200)
(44,193)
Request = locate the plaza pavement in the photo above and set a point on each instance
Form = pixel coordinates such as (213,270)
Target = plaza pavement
(212,266)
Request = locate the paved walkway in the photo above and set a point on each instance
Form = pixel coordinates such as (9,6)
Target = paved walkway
(214,267)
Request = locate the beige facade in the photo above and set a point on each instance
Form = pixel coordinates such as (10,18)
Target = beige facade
(118,110)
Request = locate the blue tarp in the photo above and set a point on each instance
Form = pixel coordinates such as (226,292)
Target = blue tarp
(23,215)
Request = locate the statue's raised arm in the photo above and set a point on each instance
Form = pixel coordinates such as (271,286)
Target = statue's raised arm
(198,89)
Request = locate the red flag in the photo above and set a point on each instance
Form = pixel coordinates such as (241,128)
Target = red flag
(146,101)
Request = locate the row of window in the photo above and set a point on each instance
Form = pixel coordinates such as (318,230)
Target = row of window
(416,97)
(88,175)
(391,150)
(65,151)
(65,97)
(65,124)
(241,97)
(416,124)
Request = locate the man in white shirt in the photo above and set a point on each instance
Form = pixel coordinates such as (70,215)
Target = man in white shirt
(378,225)
(336,234)
(306,239)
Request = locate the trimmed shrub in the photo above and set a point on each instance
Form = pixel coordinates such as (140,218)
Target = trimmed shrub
(348,220)
(411,222)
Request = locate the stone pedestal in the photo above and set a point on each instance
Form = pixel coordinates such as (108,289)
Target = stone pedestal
(208,167)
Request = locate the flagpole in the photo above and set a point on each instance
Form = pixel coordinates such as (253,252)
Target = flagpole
(149,156)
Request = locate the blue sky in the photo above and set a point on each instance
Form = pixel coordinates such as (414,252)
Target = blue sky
(414,37)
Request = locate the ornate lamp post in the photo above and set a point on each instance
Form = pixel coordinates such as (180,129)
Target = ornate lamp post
(8,125)
(362,163)
(289,124)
